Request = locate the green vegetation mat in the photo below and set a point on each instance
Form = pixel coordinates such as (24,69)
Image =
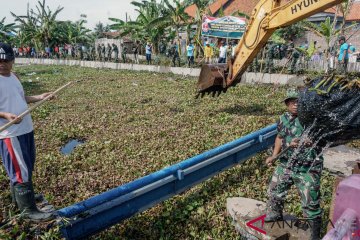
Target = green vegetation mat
(135,123)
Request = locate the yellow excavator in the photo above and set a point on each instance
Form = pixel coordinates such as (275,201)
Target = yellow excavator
(267,16)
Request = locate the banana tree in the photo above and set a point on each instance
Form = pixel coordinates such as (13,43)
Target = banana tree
(327,31)
(173,17)
(74,33)
(39,24)
(140,28)
(202,9)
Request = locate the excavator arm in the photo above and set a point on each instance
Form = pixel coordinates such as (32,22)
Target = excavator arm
(267,16)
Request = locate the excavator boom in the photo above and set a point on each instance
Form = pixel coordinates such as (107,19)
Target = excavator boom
(267,16)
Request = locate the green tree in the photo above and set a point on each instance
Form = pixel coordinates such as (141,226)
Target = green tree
(291,32)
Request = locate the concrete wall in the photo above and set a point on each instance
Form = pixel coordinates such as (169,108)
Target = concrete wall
(248,78)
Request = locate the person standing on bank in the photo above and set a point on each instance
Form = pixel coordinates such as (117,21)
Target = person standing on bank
(135,51)
(208,52)
(148,52)
(302,169)
(17,146)
(343,58)
(190,53)
(222,52)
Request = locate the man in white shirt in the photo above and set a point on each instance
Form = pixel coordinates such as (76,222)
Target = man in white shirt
(17,145)
(222,52)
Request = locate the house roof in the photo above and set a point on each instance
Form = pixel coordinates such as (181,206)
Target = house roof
(242,6)
(354,14)
(112,34)
(214,7)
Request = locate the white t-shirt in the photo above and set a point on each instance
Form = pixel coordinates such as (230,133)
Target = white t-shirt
(233,51)
(223,50)
(12,100)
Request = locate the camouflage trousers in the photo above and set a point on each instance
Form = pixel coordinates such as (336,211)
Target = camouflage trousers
(292,68)
(307,184)
(342,67)
(269,65)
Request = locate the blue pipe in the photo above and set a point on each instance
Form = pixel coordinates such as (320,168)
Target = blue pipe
(141,182)
(104,210)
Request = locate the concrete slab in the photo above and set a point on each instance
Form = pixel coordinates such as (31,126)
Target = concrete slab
(341,160)
(244,210)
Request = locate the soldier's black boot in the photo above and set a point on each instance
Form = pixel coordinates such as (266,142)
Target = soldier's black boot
(315,228)
(273,216)
(25,199)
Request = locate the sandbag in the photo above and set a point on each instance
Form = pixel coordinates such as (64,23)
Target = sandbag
(331,118)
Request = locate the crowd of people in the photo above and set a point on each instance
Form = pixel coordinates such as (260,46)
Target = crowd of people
(299,57)
(187,53)
(57,51)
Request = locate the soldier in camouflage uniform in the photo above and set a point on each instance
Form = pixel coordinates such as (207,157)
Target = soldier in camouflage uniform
(269,63)
(254,66)
(103,52)
(294,55)
(115,49)
(99,52)
(108,52)
(123,52)
(300,165)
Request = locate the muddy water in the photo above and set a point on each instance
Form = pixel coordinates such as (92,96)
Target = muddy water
(69,147)
(333,115)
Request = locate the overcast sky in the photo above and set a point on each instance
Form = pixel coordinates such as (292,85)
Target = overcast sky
(96,10)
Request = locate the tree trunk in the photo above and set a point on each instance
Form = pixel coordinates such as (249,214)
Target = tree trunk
(178,37)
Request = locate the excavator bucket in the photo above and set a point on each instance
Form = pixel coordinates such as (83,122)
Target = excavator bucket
(212,79)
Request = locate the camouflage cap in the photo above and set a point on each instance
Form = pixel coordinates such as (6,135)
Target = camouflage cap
(291,93)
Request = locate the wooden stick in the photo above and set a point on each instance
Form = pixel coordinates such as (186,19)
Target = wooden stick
(9,124)
(282,153)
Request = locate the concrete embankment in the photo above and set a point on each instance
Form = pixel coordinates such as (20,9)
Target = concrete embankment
(248,77)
